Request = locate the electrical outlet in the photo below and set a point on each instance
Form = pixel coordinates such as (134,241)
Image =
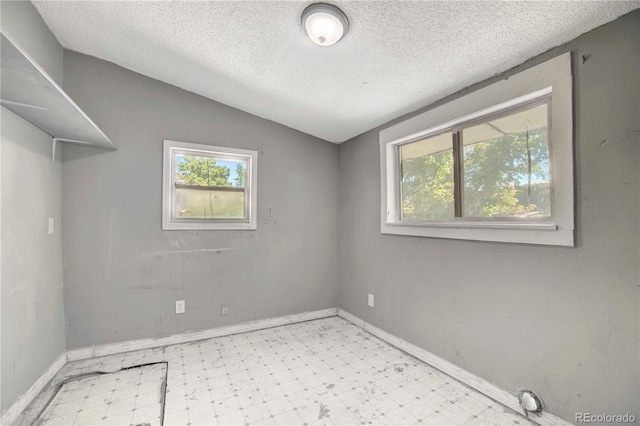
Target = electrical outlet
(224,310)
(180,307)
(50,226)
(370,300)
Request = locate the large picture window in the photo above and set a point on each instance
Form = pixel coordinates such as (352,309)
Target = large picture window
(488,166)
(208,187)
(493,168)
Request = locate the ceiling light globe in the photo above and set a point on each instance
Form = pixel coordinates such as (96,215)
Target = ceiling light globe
(324,24)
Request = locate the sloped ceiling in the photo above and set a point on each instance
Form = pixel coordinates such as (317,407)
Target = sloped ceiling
(396,58)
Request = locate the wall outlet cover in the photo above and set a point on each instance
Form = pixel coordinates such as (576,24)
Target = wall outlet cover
(224,310)
(180,307)
(370,301)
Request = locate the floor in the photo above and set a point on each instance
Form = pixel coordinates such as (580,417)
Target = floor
(326,371)
(110,398)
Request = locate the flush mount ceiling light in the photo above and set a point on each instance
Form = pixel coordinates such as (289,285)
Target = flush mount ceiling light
(325,24)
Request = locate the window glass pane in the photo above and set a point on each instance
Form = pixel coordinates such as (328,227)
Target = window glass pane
(207,187)
(426,167)
(506,166)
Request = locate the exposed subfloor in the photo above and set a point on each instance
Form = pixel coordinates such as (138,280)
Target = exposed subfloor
(326,371)
(110,398)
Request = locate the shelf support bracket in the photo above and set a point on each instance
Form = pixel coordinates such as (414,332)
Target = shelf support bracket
(56,140)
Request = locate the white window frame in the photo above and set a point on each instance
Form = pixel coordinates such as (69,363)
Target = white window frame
(170,149)
(551,78)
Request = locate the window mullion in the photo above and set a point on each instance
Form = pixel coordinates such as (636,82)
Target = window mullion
(457,172)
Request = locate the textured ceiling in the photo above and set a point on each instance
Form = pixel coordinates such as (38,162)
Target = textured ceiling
(396,58)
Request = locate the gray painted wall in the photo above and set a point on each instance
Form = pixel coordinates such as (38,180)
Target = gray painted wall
(33,326)
(23,22)
(123,274)
(33,334)
(561,321)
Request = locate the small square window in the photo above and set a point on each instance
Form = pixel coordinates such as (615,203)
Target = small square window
(208,187)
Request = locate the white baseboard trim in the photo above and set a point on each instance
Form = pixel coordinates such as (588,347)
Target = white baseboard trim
(489,389)
(471,380)
(11,415)
(133,345)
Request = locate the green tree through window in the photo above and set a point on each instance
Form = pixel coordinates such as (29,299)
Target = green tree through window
(427,187)
(504,170)
(507,176)
(240,175)
(202,171)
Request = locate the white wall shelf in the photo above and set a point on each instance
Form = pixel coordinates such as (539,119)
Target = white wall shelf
(30,92)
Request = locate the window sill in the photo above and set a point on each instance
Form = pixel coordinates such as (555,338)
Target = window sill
(213,226)
(479,224)
(522,233)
